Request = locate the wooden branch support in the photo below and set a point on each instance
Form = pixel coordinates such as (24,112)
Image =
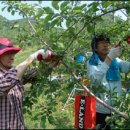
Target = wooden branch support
(106,105)
(97,99)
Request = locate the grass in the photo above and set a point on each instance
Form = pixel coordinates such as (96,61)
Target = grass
(23,54)
(63,119)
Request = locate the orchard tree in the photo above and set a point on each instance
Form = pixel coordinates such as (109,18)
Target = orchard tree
(67,28)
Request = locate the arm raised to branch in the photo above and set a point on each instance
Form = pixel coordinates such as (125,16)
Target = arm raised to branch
(23,66)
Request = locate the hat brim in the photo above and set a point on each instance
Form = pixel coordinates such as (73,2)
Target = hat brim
(15,49)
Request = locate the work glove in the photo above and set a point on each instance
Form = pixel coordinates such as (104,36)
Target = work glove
(52,58)
(114,52)
(43,55)
(38,55)
(47,56)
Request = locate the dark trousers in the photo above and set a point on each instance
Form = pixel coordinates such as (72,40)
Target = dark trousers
(100,119)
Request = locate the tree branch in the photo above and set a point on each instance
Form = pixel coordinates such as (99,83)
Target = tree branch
(97,99)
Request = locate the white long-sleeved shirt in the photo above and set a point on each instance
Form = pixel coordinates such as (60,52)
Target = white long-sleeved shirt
(97,75)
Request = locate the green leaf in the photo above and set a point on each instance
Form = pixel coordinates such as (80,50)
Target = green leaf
(55,22)
(89,29)
(105,4)
(94,7)
(39,12)
(84,5)
(55,5)
(71,32)
(77,9)
(48,18)
(68,22)
(9,8)
(13,12)
(36,125)
(63,5)
(3,8)
(61,45)
(16,25)
(48,10)
(43,122)
(99,19)
(51,120)
(128,11)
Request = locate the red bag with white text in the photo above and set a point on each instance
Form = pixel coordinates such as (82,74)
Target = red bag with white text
(85,112)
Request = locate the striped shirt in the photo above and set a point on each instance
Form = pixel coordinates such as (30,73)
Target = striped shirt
(11,96)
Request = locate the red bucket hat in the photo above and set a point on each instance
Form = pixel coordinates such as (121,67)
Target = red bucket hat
(7,45)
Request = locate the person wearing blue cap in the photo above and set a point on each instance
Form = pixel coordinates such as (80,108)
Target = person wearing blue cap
(103,68)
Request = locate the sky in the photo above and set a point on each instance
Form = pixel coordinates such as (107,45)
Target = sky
(8,16)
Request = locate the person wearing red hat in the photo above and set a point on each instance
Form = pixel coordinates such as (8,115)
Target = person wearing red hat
(11,88)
